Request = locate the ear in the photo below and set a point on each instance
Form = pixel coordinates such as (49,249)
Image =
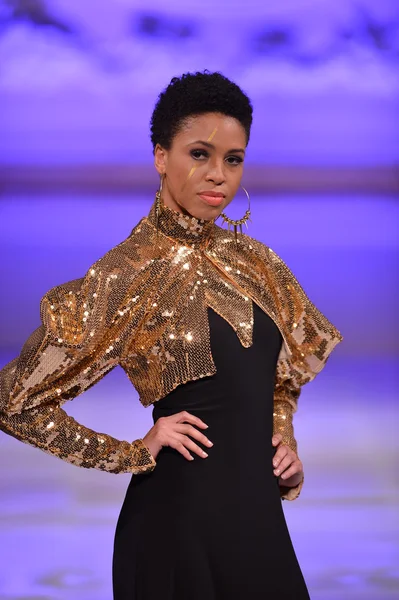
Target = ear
(160,159)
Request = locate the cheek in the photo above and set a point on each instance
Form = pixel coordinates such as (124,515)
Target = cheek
(191,177)
(185,173)
(234,184)
(178,180)
(234,175)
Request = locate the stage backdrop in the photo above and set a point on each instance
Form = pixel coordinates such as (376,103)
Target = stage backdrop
(78,80)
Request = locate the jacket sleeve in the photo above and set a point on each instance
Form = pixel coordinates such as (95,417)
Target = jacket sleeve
(311,338)
(66,355)
(286,396)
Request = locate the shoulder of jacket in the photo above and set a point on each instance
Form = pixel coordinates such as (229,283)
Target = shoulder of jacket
(59,291)
(246,240)
(263,250)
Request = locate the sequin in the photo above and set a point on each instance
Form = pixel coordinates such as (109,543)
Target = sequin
(142,307)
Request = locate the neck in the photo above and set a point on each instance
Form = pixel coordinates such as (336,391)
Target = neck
(180,226)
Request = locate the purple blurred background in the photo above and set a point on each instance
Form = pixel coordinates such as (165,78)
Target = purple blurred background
(78,82)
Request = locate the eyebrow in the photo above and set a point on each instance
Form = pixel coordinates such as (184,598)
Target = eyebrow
(212,146)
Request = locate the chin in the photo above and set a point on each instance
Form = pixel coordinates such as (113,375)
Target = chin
(200,211)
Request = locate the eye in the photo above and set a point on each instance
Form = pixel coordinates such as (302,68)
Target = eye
(198,153)
(236,160)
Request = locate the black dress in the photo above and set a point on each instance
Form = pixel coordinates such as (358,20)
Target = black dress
(213,528)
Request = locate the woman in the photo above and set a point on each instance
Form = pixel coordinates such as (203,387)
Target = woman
(216,333)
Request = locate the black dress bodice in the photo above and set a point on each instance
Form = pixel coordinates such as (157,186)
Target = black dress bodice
(214,527)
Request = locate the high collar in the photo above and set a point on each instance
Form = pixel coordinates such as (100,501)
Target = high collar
(185,229)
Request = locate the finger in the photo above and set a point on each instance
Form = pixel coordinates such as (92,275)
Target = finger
(276,439)
(183,444)
(188,443)
(285,464)
(186,416)
(193,432)
(280,454)
(182,449)
(295,468)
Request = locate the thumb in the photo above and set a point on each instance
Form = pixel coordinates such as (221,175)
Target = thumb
(276,439)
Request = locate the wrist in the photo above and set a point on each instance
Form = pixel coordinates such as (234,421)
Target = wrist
(143,460)
(292,481)
(152,446)
(291,493)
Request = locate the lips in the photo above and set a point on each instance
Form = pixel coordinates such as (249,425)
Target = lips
(212,198)
(211,193)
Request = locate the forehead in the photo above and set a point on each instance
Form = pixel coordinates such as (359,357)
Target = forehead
(223,129)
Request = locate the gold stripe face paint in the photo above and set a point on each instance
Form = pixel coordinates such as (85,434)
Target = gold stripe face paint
(212,135)
(193,169)
(191,173)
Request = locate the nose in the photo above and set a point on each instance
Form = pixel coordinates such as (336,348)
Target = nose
(216,172)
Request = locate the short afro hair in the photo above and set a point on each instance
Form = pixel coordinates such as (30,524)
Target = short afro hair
(193,94)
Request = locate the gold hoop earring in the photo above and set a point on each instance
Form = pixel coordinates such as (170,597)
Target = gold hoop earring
(238,222)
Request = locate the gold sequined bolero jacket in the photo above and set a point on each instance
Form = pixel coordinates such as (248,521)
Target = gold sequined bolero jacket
(143,306)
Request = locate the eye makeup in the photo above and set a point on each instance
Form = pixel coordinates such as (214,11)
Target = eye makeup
(197,152)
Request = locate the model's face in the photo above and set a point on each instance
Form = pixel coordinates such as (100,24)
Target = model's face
(205,156)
